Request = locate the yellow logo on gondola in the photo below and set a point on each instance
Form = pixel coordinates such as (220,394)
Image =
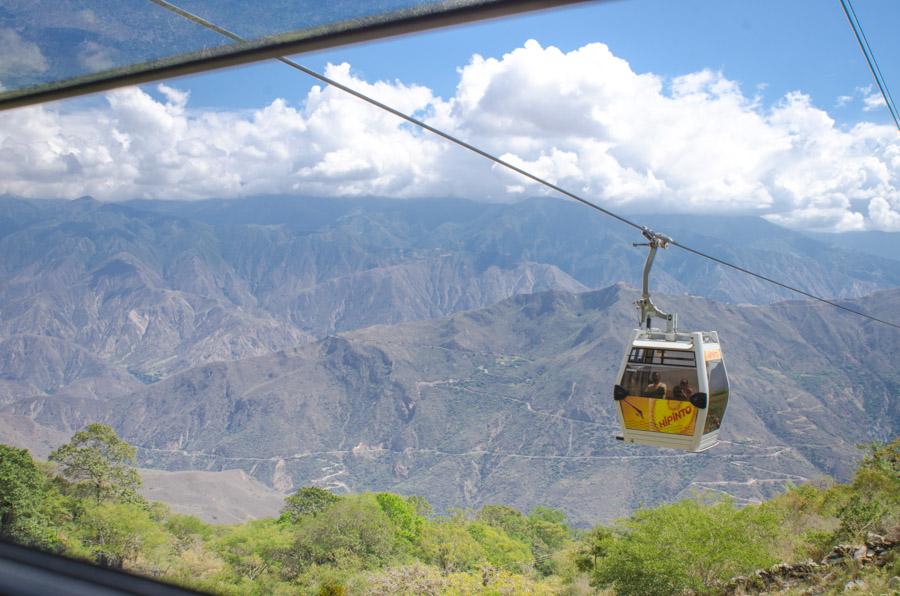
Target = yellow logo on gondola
(674,416)
(712,355)
(668,416)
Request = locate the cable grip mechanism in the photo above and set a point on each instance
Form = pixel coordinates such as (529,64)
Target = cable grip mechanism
(645,304)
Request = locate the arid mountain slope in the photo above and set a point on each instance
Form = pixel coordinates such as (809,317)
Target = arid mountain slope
(309,341)
(153,293)
(35,365)
(512,404)
(229,497)
(157,287)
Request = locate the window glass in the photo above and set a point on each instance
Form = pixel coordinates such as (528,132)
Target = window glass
(662,382)
(133,35)
(658,394)
(718,394)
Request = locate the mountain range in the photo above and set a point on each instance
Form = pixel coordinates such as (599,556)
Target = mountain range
(454,349)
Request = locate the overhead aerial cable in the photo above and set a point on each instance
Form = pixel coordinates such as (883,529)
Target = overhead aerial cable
(870,60)
(649,234)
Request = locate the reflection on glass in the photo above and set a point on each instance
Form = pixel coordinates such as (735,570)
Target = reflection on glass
(661,382)
(66,40)
(718,395)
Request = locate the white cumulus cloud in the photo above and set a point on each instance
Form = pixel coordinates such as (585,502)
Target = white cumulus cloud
(873,101)
(583,119)
(18,56)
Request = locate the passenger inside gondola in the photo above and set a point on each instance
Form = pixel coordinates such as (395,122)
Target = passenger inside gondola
(683,391)
(656,388)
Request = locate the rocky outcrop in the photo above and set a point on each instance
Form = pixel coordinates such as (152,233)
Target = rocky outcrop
(876,551)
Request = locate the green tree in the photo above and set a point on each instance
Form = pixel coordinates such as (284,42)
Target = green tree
(307,501)
(98,463)
(28,503)
(188,531)
(449,545)
(423,507)
(500,550)
(548,515)
(255,548)
(591,548)
(507,519)
(686,547)
(549,532)
(354,532)
(118,533)
(544,529)
(402,512)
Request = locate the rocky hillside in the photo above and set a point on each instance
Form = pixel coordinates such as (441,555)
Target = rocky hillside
(155,293)
(447,348)
(512,404)
(152,288)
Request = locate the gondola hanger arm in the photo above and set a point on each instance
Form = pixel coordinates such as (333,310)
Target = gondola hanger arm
(645,305)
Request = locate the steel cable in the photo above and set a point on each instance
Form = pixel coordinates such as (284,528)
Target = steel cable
(863,42)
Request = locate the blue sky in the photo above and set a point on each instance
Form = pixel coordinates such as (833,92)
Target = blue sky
(769,47)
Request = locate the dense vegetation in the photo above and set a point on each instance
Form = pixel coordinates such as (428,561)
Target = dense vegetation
(85,503)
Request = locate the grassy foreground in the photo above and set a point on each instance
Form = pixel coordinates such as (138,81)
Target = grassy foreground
(85,503)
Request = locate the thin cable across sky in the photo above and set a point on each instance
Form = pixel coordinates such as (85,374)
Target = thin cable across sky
(419,123)
(870,60)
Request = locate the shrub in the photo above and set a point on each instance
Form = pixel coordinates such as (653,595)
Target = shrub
(448,545)
(29,504)
(118,533)
(401,511)
(308,501)
(353,532)
(686,546)
(500,550)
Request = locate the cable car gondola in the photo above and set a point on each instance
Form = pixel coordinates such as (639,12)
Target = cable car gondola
(672,387)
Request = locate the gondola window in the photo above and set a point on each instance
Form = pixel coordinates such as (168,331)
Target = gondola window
(718,394)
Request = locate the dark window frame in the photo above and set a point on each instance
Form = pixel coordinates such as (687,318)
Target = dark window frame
(663,357)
